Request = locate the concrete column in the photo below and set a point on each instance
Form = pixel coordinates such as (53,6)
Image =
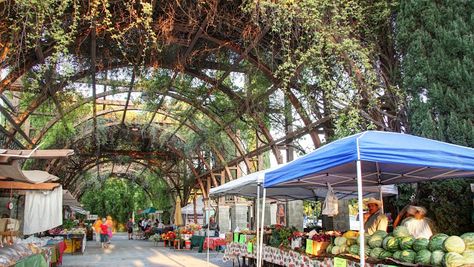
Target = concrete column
(238,215)
(295,214)
(223,218)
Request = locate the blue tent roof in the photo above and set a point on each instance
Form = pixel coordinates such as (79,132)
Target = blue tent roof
(387,158)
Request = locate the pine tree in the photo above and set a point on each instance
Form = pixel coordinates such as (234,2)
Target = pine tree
(436,44)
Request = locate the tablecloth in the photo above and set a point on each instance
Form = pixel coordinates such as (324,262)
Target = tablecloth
(213,242)
(286,258)
(36,260)
(197,241)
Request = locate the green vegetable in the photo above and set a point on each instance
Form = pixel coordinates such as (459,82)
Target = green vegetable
(354,249)
(329,248)
(339,241)
(397,254)
(335,250)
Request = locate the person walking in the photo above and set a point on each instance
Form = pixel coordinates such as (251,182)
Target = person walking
(104,234)
(97,229)
(130,229)
(110,226)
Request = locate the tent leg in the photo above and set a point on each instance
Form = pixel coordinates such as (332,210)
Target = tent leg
(381,199)
(361,214)
(259,185)
(208,214)
(260,245)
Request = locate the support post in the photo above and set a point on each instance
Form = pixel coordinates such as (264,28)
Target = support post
(361,214)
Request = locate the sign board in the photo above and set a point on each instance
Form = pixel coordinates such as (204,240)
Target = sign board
(92,217)
(340,262)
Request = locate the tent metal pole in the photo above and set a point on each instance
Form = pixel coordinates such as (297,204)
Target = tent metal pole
(361,214)
(381,199)
(259,185)
(208,214)
(260,245)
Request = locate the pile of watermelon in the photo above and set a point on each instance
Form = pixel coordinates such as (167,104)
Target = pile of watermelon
(439,250)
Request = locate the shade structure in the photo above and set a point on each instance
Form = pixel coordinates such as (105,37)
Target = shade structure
(148,210)
(178,218)
(374,158)
(69,199)
(247,186)
(386,158)
(189,209)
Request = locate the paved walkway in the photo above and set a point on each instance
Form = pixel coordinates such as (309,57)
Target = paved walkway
(124,252)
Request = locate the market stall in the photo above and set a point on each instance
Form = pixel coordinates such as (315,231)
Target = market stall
(379,158)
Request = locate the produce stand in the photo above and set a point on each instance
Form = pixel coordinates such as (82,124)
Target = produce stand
(36,260)
(374,158)
(74,243)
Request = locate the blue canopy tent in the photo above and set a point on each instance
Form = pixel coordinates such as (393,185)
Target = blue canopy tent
(374,158)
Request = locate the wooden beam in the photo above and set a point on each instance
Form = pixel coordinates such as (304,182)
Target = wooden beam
(27,186)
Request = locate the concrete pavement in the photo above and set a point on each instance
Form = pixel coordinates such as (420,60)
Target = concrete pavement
(124,252)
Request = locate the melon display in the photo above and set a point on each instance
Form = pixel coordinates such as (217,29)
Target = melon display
(406,242)
(408,255)
(437,257)
(401,231)
(420,244)
(423,256)
(454,244)
(436,242)
(390,243)
(468,239)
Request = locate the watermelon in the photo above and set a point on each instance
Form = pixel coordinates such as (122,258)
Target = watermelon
(339,241)
(367,251)
(366,238)
(351,241)
(406,242)
(420,244)
(436,242)
(423,256)
(437,257)
(390,243)
(343,249)
(397,254)
(354,249)
(454,244)
(401,231)
(375,241)
(468,239)
(335,250)
(329,248)
(381,233)
(408,255)
(453,259)
(375,252)
(385,254)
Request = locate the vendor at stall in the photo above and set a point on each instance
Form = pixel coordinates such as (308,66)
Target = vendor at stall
(374,219)
(213,226)
(417,223)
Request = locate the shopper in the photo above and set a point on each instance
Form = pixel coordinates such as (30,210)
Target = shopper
(97,229)
(104,234)
(110,226)
(130,229)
